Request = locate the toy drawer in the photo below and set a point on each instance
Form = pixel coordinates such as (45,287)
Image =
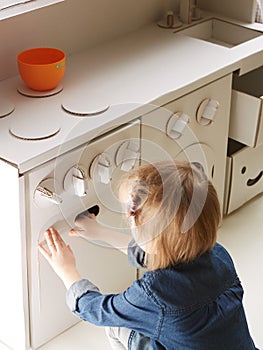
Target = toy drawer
(246,112)
(244,175)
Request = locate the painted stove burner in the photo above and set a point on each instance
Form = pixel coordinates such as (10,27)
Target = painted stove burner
(26,91)
(84,107)
(34,131)
(6,107)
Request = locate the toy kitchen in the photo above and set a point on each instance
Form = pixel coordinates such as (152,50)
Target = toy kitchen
(186,87)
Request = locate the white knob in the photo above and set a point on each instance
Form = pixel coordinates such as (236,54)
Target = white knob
(177,124)
(102,168)
(45,195)
(75,181)
(127,154)
(206,111)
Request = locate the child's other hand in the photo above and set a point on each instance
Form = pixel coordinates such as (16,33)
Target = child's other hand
(60,257)
(86,227)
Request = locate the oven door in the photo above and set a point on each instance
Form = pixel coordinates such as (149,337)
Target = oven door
(58,191)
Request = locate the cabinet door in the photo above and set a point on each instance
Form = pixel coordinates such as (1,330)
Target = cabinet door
(103,265)
(200,118)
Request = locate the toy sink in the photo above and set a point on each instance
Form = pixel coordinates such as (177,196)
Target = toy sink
(220,32)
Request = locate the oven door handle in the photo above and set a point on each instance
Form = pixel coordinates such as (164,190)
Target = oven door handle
(45,191)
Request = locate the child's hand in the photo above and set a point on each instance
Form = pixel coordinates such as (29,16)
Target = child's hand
(60,257)
(86,227)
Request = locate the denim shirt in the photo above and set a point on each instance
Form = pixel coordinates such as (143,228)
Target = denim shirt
(193,306)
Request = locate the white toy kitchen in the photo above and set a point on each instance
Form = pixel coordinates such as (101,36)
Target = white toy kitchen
(170,87)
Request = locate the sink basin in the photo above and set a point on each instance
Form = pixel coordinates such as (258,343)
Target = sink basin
(221,32)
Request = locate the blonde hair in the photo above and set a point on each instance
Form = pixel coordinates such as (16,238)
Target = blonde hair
(175,209)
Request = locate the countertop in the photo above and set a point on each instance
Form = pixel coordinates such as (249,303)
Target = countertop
(131,75)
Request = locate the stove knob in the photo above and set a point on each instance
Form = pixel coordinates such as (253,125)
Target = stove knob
(177,125)
(127,154)
(101,168)
(206,111)
(45,195)
(75,181)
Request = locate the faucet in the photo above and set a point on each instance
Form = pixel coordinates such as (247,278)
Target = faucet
(185,13)
(189,11)
(169,18)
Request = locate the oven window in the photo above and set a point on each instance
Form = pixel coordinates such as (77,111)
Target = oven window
(11,8)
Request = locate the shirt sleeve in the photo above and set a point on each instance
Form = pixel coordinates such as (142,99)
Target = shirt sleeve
(77,290)
(134,308)
(136,255)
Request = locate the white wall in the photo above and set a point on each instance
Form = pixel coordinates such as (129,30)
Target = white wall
(72,26)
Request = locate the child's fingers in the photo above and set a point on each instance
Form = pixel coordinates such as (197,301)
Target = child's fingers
(69,249)
(83,219)
(57,239)
(92,216)
(50,241)
(75,232)
(44,252)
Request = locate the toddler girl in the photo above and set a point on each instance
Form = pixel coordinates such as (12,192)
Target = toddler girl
(190,297)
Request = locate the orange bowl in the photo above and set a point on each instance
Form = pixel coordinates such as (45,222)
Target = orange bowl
(41,69)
